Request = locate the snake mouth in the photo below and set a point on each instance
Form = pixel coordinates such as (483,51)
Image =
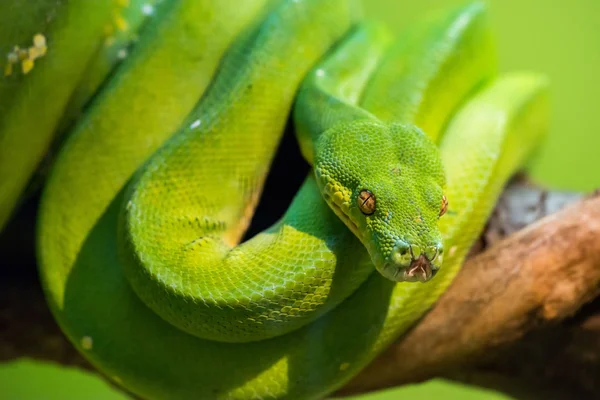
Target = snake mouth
(420,269)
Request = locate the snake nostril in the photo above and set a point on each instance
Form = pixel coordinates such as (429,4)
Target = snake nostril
(401,253)
(401,248)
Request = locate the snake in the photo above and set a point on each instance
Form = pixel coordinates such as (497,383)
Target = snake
(76,57)
(410,139)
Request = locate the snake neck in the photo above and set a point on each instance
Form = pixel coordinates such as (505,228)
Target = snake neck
(368,98)
(331,92)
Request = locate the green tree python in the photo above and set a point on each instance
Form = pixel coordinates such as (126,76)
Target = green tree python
(142,213)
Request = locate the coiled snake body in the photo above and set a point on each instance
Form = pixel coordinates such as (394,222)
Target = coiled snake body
(141,215)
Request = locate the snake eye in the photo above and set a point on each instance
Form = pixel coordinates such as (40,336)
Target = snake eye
(444,207)
(366,202)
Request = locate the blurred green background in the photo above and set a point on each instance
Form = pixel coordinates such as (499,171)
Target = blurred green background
(554,37)
(560,39)
(50,382)
(27,380)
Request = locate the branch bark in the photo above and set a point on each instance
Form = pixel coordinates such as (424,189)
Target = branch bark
(527,282)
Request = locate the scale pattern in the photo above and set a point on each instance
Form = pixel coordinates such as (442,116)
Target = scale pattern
(198,181)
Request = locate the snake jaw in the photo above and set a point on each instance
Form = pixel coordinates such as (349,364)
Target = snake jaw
(338,199)
(410,264)
(337,209)
(420,269)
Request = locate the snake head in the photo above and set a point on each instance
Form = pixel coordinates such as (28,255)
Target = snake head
(385,182)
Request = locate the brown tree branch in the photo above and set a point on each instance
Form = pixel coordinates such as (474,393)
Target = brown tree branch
(561,360)
(27,328)
(531,280)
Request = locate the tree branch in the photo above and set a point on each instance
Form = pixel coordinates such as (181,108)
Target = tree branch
(531,280)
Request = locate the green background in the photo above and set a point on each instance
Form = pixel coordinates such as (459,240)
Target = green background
(558,38)
(28,380)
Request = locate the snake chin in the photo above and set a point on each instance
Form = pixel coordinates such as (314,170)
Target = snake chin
(420,269)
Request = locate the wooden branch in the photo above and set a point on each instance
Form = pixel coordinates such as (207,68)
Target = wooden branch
(27,328)
(532,279)
(557,362)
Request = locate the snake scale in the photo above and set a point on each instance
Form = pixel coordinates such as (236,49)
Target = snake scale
(411,139)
